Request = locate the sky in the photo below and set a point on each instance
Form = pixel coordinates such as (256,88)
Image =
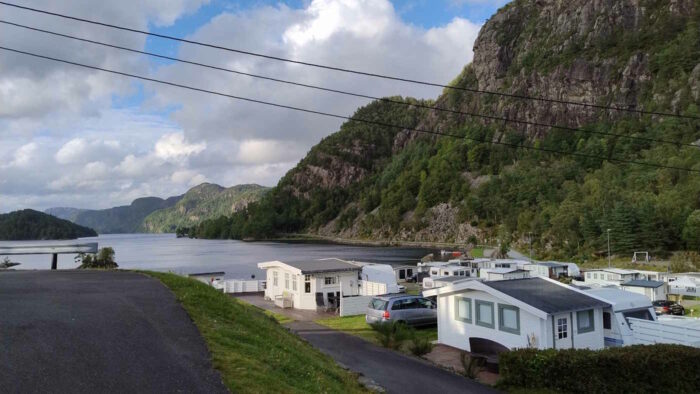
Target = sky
(74,137)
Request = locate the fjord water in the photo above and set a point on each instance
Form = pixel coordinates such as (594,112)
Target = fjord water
(165,252)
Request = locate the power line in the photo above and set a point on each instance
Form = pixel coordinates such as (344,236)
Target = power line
(384,99)
(351,71)
(351,118)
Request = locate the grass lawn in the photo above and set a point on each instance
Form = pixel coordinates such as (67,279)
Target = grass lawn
(477,253)
(251,350)
(356,325)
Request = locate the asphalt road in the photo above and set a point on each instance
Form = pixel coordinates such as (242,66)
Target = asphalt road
(393,371)
(98,332)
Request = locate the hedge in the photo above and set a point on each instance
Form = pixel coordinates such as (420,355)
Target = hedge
(658,368)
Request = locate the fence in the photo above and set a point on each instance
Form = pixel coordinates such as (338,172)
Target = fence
(650,332)
(240,286)
(372,288)
(354,305)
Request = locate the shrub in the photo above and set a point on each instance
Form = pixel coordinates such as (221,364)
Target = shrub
(104,259)
(632,369)
(420,345)
(392,335)
(472,364)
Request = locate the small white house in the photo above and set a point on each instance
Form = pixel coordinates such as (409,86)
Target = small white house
(547,269)
(519,313)
(440,281)
(503,273)
(310,283)
(653,289)
(404,272)
(609,276)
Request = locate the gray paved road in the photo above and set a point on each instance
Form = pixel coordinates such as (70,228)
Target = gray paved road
(98,332)
(393,371)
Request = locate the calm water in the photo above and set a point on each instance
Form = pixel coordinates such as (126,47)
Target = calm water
(165,252)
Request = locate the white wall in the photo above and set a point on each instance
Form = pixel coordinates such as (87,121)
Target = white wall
(303,300)
(350,306)
(456,333)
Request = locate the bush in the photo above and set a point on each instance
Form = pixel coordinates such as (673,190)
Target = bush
(392,335)
(632,369)
(104,259)
(472,364)
(420,345)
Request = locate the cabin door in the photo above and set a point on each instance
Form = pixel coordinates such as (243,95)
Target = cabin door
(562,331)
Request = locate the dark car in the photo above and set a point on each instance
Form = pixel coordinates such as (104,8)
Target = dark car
(408,309)
(663,307)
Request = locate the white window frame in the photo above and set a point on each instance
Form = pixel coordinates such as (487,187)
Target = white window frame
(294,283)
(333,280)
(275,278)
(562,328)
(286,280)
(464,319)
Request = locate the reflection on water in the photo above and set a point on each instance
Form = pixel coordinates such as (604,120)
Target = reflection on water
(165,252)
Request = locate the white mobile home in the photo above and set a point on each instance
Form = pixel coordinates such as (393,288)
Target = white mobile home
(609,276)
(503,273)
(652,289)
(404,272)
(518,313)
(310,284)
(548,269)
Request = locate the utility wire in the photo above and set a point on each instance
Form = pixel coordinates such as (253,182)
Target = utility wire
(351,71)
(352,118)
(384,99)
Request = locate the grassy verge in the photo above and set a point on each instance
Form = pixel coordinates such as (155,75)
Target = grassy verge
(251,350)
(356,325)
(477,253)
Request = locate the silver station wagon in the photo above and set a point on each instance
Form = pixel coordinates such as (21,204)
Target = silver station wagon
(409,309)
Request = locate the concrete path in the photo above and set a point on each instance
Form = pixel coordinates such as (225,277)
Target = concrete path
(395,372)
(98,332)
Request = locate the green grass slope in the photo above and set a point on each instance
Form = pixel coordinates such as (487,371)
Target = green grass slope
(253,352)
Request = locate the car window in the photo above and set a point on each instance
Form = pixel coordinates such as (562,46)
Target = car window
(378,304)
(425,303)
(398,304)
(410,303)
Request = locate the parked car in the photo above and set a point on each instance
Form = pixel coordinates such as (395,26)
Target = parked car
(409,309)
(663,307)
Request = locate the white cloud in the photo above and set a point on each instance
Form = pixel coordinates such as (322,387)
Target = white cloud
(174,146)
(69,146)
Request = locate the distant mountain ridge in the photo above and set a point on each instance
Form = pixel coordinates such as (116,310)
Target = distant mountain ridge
(154,214)
(122,219)
(28,224)
(206,201)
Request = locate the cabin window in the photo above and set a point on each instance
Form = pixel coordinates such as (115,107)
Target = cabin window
(409,272)
(584,321)
(509,319)
(286,280)
(275,279)
(294,283)
(562,328)
(463,309)
(307,283)
(589,275)
(607,321)
(402,274)
(595,276)
(329,280)
(484,313)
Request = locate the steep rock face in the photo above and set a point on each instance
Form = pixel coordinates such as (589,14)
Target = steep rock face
(368,181)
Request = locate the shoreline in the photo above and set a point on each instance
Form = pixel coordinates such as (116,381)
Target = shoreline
(361,242)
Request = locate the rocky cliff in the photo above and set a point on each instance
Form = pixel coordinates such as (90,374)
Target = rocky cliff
(375,182)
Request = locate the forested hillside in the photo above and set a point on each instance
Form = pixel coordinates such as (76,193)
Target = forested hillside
(28,224)
(374,182)
(206,201)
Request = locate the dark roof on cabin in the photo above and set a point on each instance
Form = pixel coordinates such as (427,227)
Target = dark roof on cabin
(652,284)
(546,296)
(320,266)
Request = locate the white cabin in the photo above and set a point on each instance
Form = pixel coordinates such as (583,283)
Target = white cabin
(652,289)
(503,273)
(519,313)
(308,283)
(548,269)
(609,276)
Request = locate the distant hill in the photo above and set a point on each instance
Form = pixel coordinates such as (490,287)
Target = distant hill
(206,201)
(123,219)
(29,224)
